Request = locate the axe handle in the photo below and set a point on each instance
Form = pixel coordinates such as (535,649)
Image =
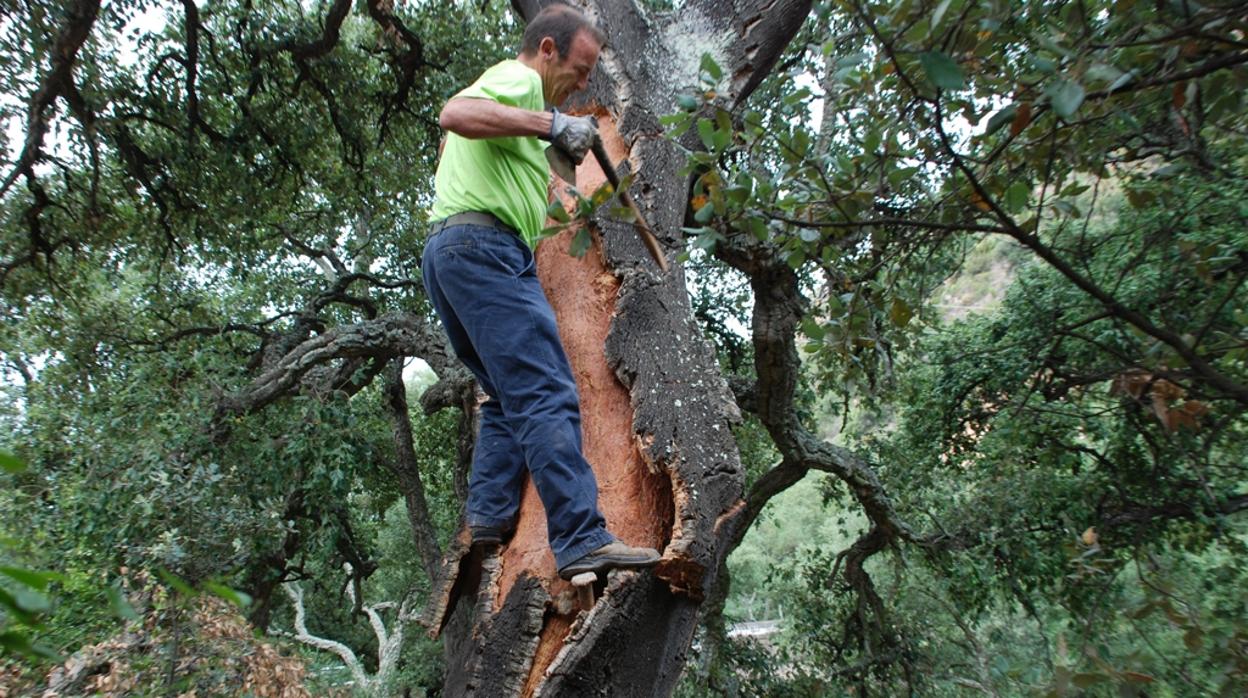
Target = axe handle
(643,228)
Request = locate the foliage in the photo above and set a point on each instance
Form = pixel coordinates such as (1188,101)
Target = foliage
(220,186)
(1055,458)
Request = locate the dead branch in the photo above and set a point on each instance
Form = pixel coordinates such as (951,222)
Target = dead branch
(389,641)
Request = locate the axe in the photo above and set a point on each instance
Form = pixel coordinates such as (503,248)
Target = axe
(564,167)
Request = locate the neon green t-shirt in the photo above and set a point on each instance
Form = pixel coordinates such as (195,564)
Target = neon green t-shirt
(503,176)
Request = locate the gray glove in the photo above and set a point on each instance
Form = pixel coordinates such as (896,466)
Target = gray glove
(573,135)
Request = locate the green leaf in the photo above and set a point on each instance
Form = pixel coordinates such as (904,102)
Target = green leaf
(1065,96)
(557,212)
(234,596)
(12,607)
(939,14)
(32,601)
(723,129)
(871,142)
(900,313)
(711,67)
(851,60)
(676,124)
(1123,80)
(809,234)
(758,228)
(797,97)
(1044,64)
(1068,208)
(1103,72)
(1169,170)
(1000,119)
(11,463)
(580,243)
(706,131)
(120,605)
(705,214)
(17,643)
(174,581)
(705,241)
(687,102)
(1016,197)
(942,70)
(1075,189)
(32,579)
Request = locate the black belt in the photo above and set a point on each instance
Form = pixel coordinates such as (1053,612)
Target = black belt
(482,218)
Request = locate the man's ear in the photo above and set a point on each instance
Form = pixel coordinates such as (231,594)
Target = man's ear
(546,47)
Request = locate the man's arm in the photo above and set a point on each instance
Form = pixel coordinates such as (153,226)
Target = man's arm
(473,117)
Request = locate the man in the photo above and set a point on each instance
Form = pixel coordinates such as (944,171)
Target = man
(478,269)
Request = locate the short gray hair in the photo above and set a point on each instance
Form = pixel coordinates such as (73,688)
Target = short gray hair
(561,23)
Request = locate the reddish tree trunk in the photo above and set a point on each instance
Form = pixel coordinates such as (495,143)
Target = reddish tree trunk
(656,411)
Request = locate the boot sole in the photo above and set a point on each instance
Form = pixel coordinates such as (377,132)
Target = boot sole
(603,563)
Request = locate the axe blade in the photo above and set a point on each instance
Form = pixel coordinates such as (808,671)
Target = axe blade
(561,164)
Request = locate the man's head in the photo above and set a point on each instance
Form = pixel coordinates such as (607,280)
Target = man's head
(562,46)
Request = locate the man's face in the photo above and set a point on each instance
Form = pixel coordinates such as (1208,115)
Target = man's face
(563,76)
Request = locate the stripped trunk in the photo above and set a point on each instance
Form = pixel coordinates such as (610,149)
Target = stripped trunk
(656,411)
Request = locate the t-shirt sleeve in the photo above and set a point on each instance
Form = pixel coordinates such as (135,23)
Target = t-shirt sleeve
(506,86)
(503,86)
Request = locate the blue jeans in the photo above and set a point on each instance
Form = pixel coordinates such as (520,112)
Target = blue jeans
(483,284)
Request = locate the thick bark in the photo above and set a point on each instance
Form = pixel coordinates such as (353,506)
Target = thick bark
(656,411)
(301,362)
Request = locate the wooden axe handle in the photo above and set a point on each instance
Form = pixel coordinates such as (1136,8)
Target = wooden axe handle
(643,228)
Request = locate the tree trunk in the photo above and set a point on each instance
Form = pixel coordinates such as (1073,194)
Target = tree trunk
(656,411)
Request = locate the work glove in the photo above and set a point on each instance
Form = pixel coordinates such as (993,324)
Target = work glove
(574,135)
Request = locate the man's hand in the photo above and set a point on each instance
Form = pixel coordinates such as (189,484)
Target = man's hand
(573,135)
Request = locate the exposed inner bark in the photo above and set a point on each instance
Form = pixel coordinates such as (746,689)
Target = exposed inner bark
(636,501)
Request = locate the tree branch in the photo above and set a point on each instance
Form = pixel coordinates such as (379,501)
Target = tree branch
(1032,242)
(80,17)
(295,592)
(407,469)
(191,28)
(329,35)
(387,337)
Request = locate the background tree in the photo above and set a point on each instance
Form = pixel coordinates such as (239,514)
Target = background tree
(203,196)
(209,228)
(1094,138)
